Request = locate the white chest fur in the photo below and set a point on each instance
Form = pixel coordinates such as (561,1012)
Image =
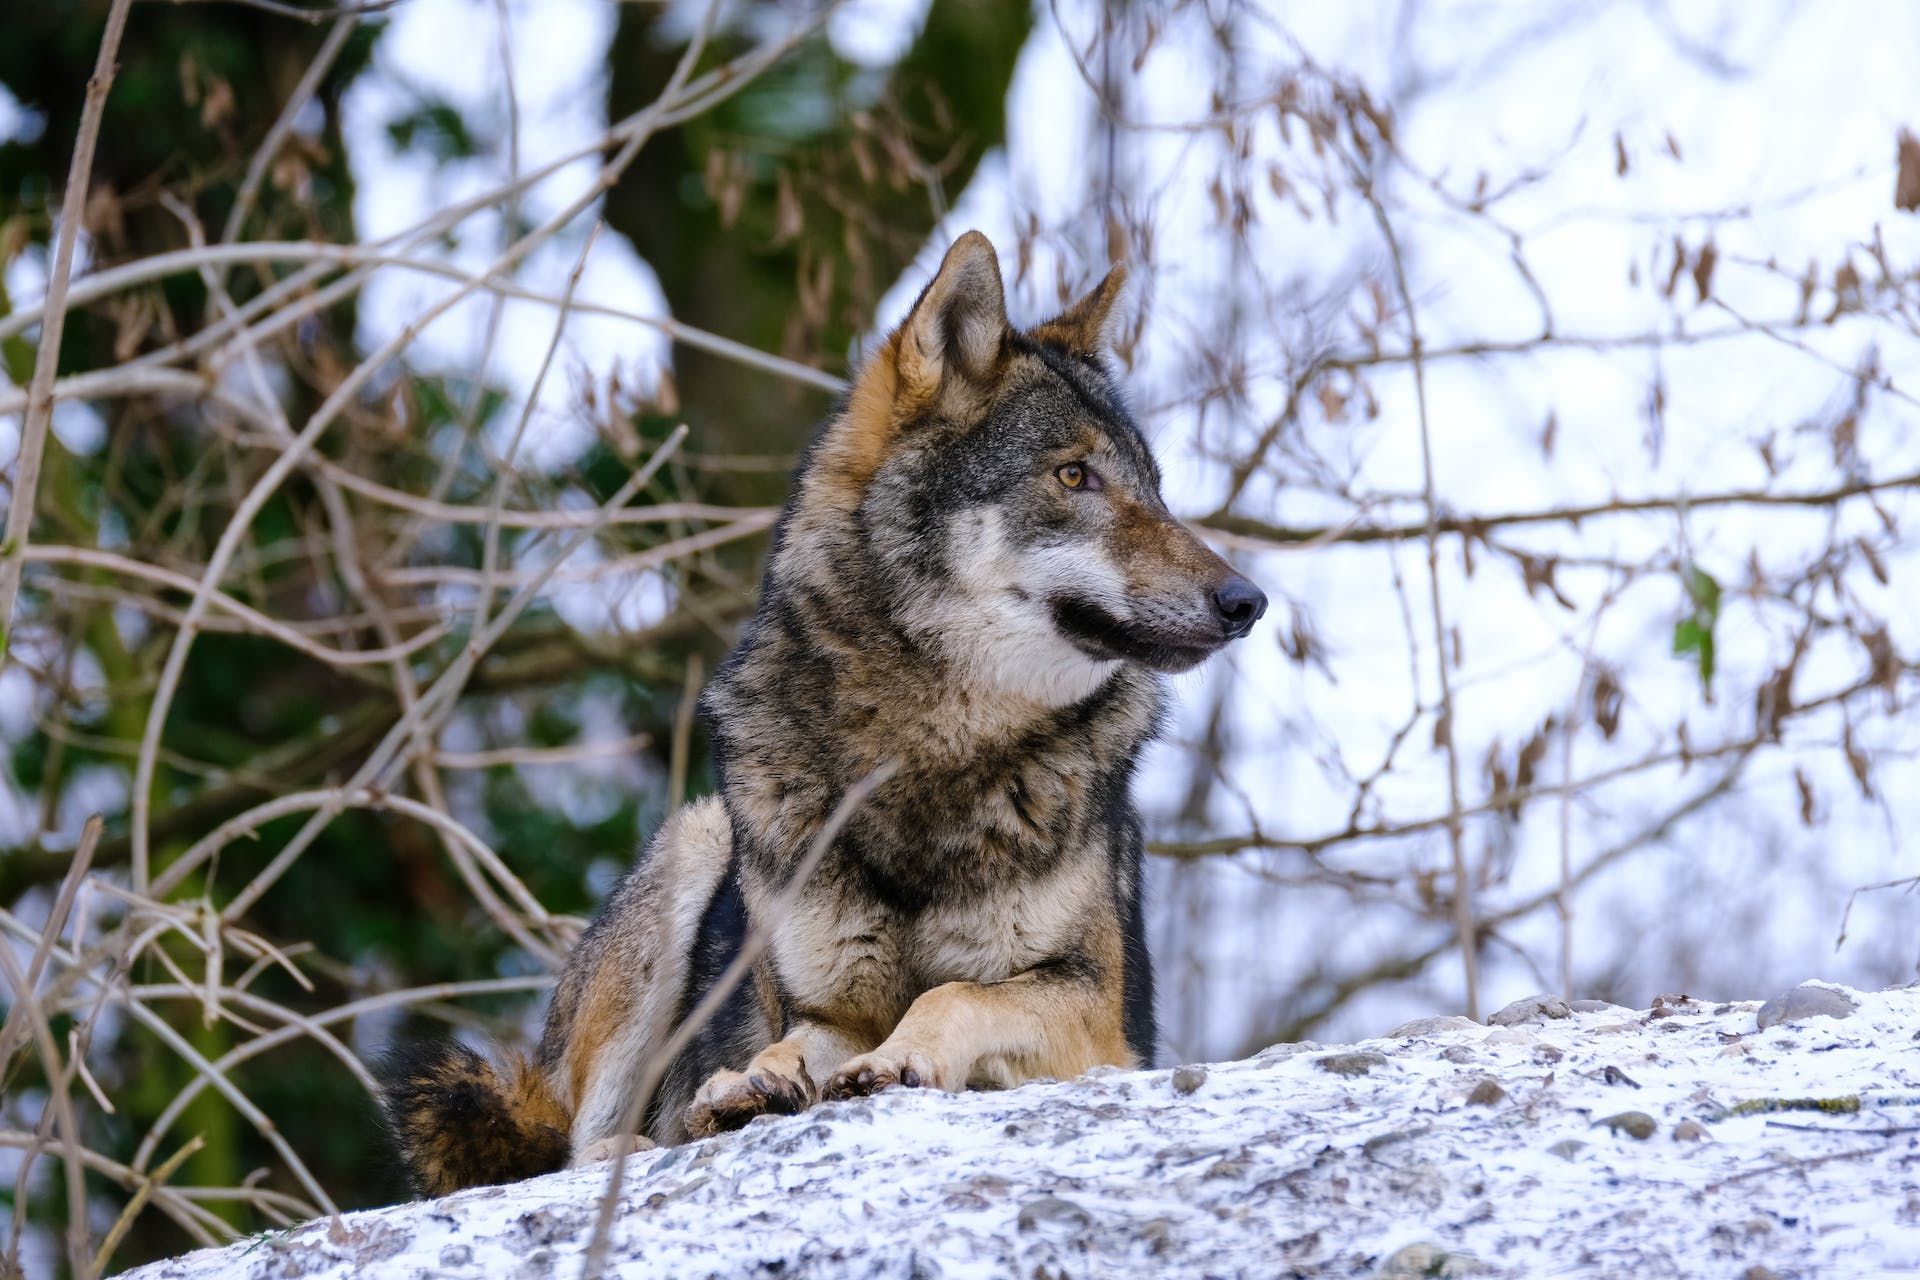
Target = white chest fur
(1004,932)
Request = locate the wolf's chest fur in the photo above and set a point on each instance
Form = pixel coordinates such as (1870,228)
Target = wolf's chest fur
(963,818)
(856,958)
(985,853)
(983,795)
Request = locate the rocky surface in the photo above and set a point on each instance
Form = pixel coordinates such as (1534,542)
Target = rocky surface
(1685,1140)
(1803,1002)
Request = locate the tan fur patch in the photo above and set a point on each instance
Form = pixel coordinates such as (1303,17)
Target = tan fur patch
(809,1052)
(1037,1023)
(995,1034)
(631,993)
(947,359)
(1082,328)
(856,445)
(605,1009)
(532,1096)
(1158,553)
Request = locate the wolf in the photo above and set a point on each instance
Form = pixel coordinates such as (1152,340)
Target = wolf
(975,592)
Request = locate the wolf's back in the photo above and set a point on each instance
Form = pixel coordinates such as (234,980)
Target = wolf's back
(458,1122)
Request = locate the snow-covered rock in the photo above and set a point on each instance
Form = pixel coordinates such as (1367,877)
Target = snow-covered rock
(1681,1141)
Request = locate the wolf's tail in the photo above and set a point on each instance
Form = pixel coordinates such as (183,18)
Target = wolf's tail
(458,1123)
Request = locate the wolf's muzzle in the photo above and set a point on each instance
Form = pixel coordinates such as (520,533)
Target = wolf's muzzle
(1240,604)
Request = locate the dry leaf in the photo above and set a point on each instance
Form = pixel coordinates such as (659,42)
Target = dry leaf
(218,106)
(1874,562)
(1906,183)
(1857,761)
(1679,266)
(1333,402)
(788,221)
(1608,698)
(1703,269)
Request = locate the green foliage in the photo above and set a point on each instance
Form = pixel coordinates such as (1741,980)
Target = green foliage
(436,128)
(1693,634)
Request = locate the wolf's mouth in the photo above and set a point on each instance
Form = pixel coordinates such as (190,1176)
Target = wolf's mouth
(1099,634)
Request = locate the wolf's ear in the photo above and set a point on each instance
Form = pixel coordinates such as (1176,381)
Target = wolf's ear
(956,333)
(1082,327)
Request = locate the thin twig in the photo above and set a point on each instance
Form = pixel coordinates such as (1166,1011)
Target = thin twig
(60,1103)
(678,760)
(1479,526)
(49,933)
(341,1013)
(1794,1166)
(440,697)
(33,431)
(138,1201)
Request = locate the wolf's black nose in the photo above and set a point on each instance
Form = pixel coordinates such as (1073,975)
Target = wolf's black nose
(1240,604)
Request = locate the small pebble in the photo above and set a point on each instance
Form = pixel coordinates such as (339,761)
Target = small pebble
(1527,1010)
(1188,1078)
(1635,1124)
(1805,1001)
(1051,1213)
(1415,1261)
(1431,1026)
(1486,1093)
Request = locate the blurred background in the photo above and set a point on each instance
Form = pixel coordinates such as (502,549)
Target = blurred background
(1553,367)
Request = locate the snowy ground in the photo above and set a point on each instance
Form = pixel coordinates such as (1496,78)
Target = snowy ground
(1609,1143)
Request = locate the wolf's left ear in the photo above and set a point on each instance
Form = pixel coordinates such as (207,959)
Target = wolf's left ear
(1082,327)
(956,333)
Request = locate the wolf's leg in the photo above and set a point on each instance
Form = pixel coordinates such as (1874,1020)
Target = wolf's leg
(1056,1021)
(781,1079)
(616,1000)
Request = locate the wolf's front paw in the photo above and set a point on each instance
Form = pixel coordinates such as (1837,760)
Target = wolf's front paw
(731,1098)
(616,1148)
(884,1068)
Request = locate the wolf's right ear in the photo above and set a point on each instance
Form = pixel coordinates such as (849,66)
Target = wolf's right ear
(1082,327)
(955,337)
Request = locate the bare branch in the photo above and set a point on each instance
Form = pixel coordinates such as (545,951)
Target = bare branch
(39,406)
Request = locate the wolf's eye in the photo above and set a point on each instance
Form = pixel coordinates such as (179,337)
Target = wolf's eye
(1078,475)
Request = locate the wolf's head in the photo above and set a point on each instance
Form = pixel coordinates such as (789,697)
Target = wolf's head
(1006,501)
